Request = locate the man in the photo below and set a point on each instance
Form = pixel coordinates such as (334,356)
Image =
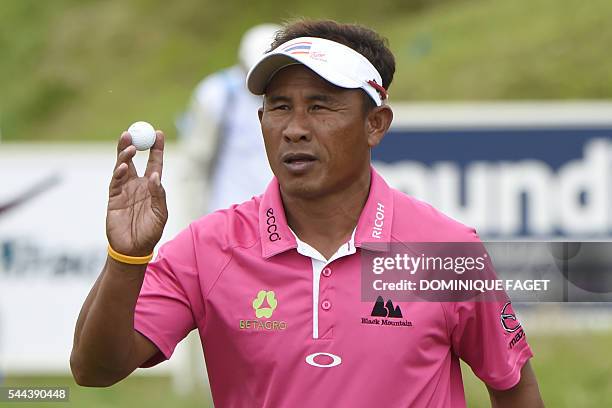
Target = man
(220,134)
(273,285)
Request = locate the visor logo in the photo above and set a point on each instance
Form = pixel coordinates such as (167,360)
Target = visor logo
(302,47)
(318,55)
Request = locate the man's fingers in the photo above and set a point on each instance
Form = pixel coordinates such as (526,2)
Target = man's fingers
(125,141)
(156,156)
(119,177)
(155,187)
(124,170)
(158,196)
(126,156)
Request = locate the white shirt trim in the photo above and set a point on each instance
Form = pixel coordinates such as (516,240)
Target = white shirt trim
(318,264)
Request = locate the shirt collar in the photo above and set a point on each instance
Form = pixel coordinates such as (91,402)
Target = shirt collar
(276,237)
(373,231)
(374,225)
(303,248)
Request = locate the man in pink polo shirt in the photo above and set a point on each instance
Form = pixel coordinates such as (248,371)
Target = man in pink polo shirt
(273,285)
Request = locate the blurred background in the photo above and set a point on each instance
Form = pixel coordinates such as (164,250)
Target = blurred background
(503,119)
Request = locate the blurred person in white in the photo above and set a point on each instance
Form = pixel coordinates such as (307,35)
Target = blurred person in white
(226,160)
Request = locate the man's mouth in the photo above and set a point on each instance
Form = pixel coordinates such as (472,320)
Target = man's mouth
(298,162)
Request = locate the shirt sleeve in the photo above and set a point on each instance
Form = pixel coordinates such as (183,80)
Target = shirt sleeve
(163,312)
(490,339)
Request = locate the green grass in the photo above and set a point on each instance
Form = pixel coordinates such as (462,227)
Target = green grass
(573,370)
(483,50)
(84,70)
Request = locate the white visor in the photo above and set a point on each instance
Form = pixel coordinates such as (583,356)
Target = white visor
(334,62)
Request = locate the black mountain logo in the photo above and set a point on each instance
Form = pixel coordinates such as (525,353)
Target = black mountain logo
(386,310)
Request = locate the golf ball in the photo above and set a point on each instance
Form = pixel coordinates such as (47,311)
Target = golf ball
(143,135)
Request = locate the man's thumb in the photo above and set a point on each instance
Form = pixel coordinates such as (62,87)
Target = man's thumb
(158,194)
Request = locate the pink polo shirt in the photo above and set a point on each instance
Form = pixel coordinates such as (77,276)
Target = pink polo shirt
(281,326)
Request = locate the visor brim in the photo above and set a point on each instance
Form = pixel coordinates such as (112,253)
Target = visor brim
(262,73)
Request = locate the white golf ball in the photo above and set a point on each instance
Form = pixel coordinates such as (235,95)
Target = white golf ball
(143,135)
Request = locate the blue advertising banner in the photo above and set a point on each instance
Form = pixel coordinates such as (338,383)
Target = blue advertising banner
(513,179)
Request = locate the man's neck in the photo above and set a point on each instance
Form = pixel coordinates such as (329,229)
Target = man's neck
(325,223)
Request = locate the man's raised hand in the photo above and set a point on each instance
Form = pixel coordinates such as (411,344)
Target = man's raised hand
(137,211)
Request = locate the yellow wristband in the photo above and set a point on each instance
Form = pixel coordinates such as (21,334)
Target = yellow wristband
(132,260)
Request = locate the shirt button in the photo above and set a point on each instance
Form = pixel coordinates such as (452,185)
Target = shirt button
(327,272)
(326,305)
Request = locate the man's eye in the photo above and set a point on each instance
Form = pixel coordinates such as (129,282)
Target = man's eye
(318,107)
(279,107)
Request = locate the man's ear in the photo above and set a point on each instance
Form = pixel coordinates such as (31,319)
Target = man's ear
(378,122)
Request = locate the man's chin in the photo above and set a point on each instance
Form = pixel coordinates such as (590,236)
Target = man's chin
(301,187)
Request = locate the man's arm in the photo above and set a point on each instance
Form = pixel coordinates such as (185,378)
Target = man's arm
(525,394)
(106,347)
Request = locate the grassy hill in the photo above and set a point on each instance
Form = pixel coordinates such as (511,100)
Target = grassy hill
(84,70)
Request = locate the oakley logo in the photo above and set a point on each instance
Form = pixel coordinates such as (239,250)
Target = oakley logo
(508,320)
(272,228)
(335,360)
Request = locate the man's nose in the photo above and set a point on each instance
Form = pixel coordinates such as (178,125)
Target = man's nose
(297,128)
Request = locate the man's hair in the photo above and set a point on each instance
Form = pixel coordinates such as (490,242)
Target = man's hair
(361,39)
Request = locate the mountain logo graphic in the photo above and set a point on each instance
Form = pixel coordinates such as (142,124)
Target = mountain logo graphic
(258,304)
(382,309)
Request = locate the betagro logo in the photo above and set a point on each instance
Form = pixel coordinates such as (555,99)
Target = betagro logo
(261,311)
(264,305)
